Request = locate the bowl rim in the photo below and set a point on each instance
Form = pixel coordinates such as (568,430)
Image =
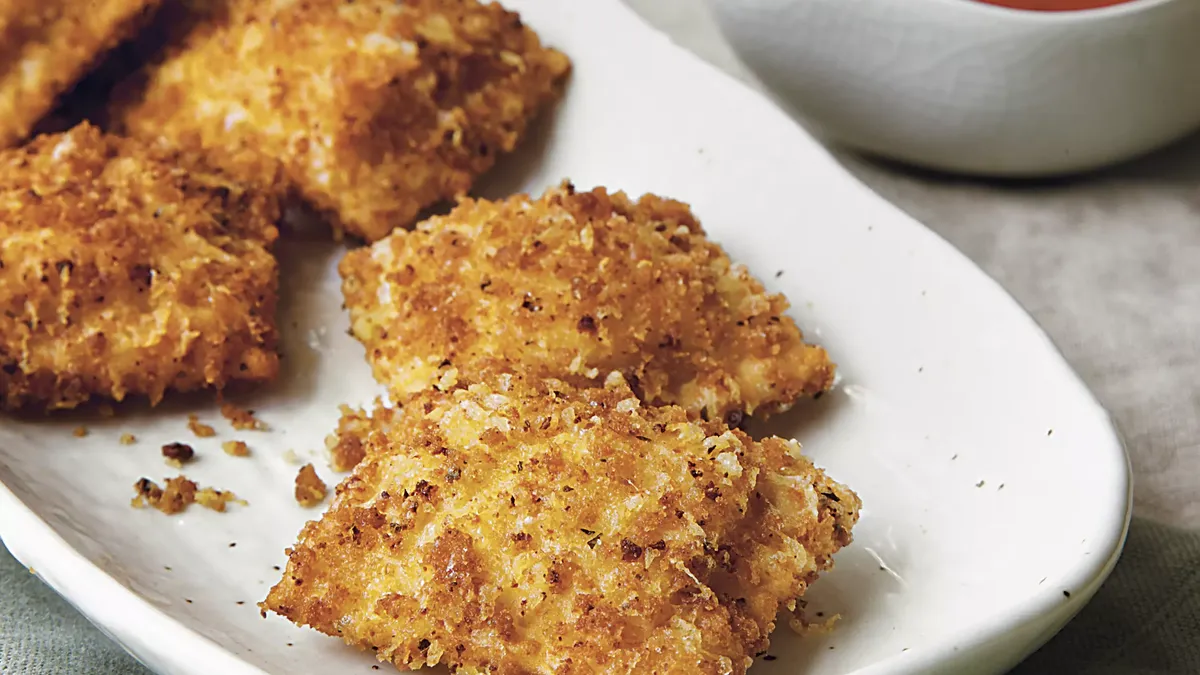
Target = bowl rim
(1121,10)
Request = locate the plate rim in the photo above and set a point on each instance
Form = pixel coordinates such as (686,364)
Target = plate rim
(165,644)
(104,601)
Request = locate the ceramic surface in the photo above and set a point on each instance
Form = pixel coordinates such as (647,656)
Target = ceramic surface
(962,86)
(994,484)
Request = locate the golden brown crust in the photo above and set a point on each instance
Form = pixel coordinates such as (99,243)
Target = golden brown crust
(123,273)
(46,45)
(522,527)
(573,285)
(346,447)
(370,110)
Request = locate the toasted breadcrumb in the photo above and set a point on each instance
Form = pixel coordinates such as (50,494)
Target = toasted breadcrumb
(45,46)
(217,500)
(802,624)
(310,489)
(574,285)
(128,439)
(178,494)
(177,454)
(236,448)
(122,273)
(80,431)
(199,428)
(521,527)
(370,110)
(242,419)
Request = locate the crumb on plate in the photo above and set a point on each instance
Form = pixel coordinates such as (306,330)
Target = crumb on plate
(179,493)
(241,418)
(801,624)
(124,273)
(236,448)
(128,439)
(310,489)
(177,454)
(199,428)
(575,285)
(217,500)
(511,526)
(80,431)
(370,111)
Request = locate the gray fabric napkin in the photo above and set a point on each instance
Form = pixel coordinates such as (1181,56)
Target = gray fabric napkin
(1108,264)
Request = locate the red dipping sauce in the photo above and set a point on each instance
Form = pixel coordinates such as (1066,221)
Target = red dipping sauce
(1055,5)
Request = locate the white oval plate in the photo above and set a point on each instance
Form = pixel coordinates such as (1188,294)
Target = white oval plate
(994,484)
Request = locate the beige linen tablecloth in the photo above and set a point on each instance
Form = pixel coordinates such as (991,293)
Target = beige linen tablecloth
(1108,264)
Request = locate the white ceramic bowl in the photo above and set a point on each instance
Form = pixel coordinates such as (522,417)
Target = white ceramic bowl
(963,86)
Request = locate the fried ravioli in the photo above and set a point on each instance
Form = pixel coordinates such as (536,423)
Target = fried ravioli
(370,111)
(47,45)
(122,273)
(528,527)
(574,285)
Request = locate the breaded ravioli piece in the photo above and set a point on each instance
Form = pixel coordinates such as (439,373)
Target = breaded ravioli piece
(121,272)
(47,45)
(574,285)
(369,110)
(528,527)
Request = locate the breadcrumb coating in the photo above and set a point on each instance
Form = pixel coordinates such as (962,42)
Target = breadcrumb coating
(574,285)
(47,45)
(345,446)
(123,273)
(370,111)
(515,527)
